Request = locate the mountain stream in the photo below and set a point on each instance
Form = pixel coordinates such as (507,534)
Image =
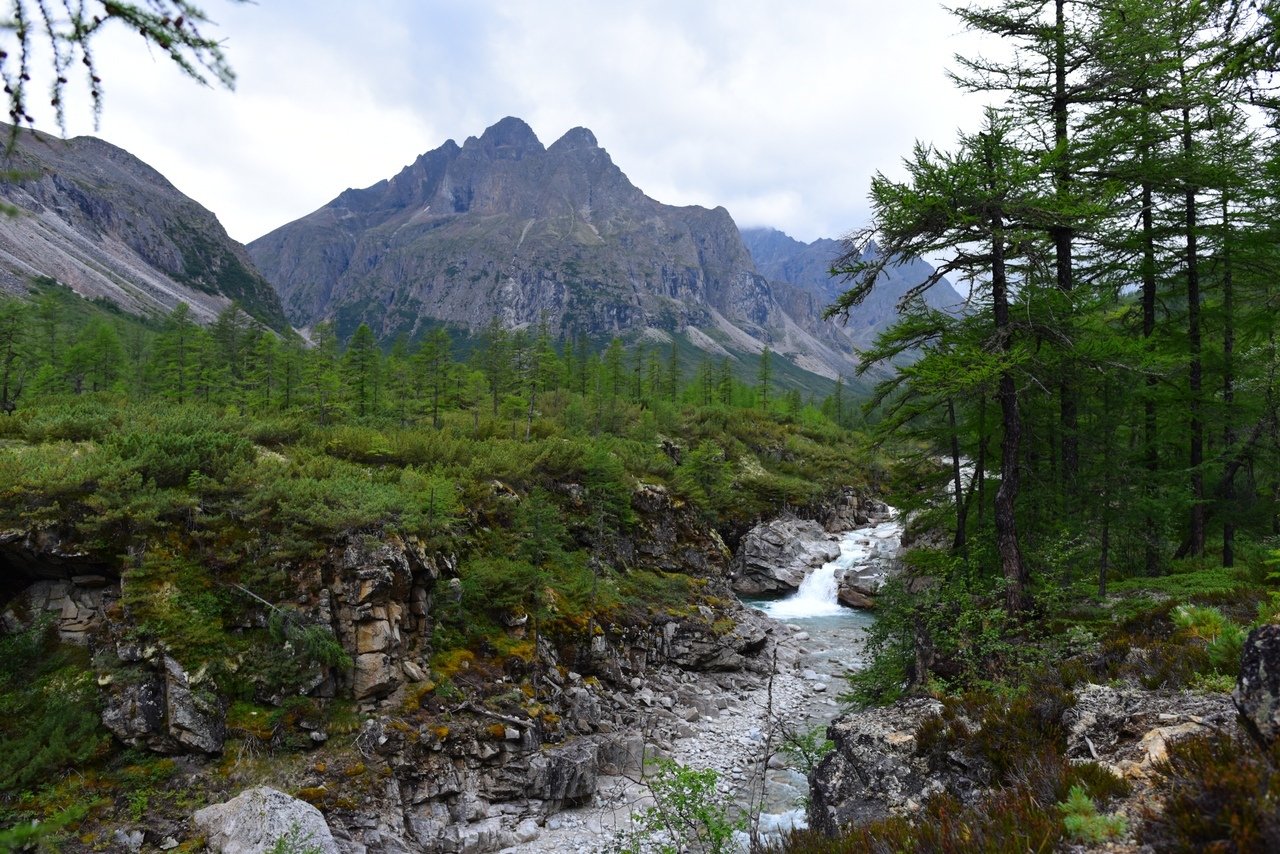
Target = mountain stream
(819,643)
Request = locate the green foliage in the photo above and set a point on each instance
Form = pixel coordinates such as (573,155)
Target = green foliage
(1083,823)
(181,444)
(22,836)
(49,709)
(953,624)
(806,748)
(314,642)
(173,599)
(294,842)
(705,476)
(688,815)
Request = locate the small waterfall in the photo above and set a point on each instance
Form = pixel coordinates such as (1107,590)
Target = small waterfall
(816,596)
(870,547)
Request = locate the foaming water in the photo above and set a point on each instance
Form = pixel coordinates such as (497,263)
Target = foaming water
(869,549)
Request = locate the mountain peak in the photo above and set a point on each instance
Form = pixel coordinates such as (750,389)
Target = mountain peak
(509,139)
(575,139)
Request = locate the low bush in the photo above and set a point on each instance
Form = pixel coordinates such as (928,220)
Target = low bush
(1216,794)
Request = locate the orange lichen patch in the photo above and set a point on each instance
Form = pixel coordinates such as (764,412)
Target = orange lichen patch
(452,662)
(314,795)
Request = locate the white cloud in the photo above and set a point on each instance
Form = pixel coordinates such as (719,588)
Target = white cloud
(781,113)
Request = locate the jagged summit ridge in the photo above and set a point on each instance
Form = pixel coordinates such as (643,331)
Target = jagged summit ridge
(503,227)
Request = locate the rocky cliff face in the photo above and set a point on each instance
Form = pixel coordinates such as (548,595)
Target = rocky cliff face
(461,754)
(105,224)
(503,227)
(806,267)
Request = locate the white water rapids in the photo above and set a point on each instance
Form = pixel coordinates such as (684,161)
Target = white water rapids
(833,648)
(868,551)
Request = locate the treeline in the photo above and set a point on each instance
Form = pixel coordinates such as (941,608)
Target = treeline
(1112,390)
(58,344)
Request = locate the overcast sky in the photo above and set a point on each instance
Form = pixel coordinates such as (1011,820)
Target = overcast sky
(781,112)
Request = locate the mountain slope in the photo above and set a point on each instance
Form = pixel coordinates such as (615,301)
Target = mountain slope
(504,227)
(807,266)
(97,219)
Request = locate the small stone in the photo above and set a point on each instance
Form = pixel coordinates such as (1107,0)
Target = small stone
(168,843)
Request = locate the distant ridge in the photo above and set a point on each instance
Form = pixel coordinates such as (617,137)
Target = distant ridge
(781,258)
(100,221)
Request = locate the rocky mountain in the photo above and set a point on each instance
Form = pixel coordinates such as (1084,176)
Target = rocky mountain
(502,226)
(100,221)
(807,266)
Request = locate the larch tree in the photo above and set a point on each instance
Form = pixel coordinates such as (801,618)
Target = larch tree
(982,208)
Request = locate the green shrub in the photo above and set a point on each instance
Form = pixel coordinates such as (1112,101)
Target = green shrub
(1083,823)
(180,444)
(1218,794)
(75,419)
(688,814)
(49,709)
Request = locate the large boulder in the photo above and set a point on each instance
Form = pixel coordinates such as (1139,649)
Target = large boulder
(257,819)
(1257,692)
(154,707)
(874,770)
(774,557)
(565,775)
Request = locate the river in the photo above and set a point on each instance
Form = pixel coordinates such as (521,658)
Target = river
(819,643)
(831,640)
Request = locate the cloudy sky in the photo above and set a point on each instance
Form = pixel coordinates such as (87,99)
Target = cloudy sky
(781,112)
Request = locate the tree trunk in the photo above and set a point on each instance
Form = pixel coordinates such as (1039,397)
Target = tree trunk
(1195,367)
(1228,383)
(1151,452)
(1011,563)
(1062,240)
(962,508)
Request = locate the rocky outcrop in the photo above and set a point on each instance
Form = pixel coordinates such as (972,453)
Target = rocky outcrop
(77,606)
(258,819)
(669,536)
(847,510)
(1257,692)
(874,769)
(486,779)
(1128,728)
(775,556)
(376,594)
(878,769)
(153,705)
(98,220)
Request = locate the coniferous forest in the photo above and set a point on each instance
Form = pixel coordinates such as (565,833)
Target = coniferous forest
(401,576)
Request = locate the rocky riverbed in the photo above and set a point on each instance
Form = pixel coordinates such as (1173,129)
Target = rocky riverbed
(737,724)
(736,734)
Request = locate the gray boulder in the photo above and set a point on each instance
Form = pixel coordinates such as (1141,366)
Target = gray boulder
(774,557)
(254,821)
(873,770)
(565,775)
(1257,692)
(159,711)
